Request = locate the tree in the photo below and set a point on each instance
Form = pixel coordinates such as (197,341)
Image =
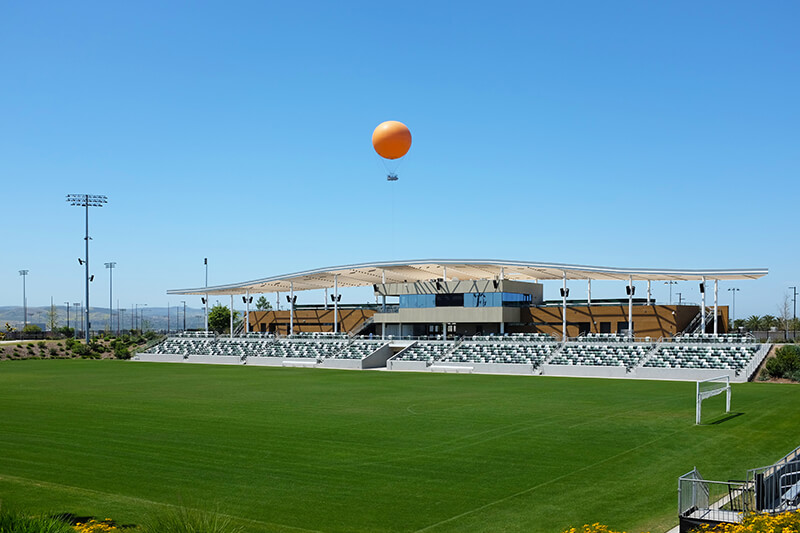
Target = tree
(31,328)
(767,322)
(262,304)
(785,314)
(219,318)
(753,323)
(52,318)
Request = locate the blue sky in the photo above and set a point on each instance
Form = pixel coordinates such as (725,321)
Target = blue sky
(626,134)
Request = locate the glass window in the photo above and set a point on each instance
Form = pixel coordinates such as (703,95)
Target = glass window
(449,300)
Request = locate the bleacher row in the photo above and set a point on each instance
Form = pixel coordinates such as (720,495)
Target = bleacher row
(730,352)
(311,348)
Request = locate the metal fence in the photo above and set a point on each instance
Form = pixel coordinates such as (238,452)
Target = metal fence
(777,487)
(770,489)
(712,501)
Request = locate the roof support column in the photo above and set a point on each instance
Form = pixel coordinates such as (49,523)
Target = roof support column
(291,308)
(564,309)
(648,292)
(336,303)
(630,307)
(247,312)
(383,304)
(326,298)
(716,288)
(703,306)
(444,273)
(231,316)
(589,292)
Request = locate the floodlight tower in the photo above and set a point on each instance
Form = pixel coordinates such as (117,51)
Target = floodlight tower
(87,201)
(110,266)
(24,274)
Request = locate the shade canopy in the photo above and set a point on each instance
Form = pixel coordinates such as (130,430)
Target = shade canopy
(366,274)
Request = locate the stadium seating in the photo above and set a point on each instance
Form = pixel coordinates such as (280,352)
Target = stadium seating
(314,349)
(598,354)
(358,349)
(680,355)
(696,351)
(514,337)
(508,352)
(728,338)
(425,351)
(604,337)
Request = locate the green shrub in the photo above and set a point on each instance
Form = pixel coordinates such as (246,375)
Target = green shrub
(53,351)
(786,362)
(183,520)
(67,332)
(121,352)
(15,522)
(81,349)
(31,328)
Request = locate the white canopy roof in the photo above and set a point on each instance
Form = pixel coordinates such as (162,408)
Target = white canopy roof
(426,269)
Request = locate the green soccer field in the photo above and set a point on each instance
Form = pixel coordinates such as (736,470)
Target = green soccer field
(293,450)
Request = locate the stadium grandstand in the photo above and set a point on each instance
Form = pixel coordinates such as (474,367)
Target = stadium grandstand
(483,317)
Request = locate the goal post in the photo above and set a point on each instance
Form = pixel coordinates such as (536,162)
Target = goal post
(706,388)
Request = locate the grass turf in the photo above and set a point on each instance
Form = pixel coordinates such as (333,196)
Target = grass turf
(290,450)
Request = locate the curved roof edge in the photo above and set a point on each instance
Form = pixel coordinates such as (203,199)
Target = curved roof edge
(365,274)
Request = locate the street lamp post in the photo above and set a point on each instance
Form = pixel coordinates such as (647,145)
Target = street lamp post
(184,315)
(110,266)
(87,201)
(24,274)
(733,291)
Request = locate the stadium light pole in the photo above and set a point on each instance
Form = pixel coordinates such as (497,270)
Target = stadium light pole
(110,266)
(680,295)
(87,201)
(733,291)
(24,274)
(670,283)
(184,315)
(67,304)
(794,311)
(77,307)
(141,316)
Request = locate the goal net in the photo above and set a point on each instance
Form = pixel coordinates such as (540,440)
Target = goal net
(708,388)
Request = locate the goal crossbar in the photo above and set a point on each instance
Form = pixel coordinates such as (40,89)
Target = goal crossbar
(723,385)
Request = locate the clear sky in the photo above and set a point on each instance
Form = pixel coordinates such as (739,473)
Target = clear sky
(626,134)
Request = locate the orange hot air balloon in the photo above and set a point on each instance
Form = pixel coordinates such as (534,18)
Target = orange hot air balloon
(391,140)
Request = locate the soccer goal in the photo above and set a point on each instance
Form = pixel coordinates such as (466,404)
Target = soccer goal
(707,388)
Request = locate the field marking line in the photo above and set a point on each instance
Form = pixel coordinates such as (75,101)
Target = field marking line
(543,484)
(114,496)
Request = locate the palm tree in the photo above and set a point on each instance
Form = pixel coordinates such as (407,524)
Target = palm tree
(753,323)
(768,321)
